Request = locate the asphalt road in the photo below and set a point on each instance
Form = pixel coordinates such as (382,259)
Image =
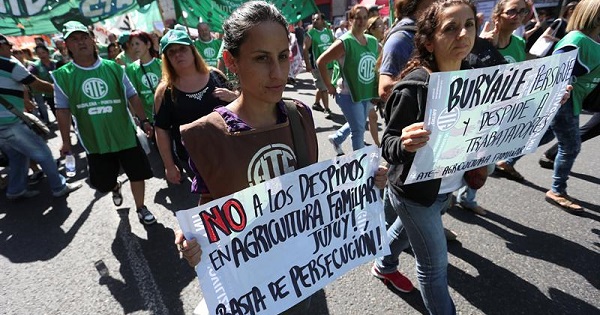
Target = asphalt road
(82,255)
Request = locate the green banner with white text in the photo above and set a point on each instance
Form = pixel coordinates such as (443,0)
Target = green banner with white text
(32,17)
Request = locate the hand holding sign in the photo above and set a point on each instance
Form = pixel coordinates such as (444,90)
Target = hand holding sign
(414,137)
(190,249)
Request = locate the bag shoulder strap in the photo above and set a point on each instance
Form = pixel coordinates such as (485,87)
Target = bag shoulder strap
(297,128)
(15,111)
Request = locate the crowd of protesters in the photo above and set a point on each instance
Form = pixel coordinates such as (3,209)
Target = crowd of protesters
(138,87)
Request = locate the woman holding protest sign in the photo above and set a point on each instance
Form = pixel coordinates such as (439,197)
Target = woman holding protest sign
(445,36)
(256,50)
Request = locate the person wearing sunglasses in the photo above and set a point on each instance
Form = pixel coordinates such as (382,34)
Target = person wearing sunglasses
(507,16)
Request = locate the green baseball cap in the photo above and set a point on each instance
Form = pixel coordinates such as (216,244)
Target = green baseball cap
(174,37)
(123,38)
(73,26)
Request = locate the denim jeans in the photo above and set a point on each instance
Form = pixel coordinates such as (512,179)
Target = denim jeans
(42,107)
(20,144)
(466,195)
(423,226)
(565,126)
(397,236)
(356,116)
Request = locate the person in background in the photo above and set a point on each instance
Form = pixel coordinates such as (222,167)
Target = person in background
(341,29)
(113,51)
(375,28)
(207,46)
(41,68)
(61,55)
(258,119)
(17,141)
(399,43)
(357,88)
(144,73)
(189,89)
(534,28)
(445,36)
(127,55)
(583,34)
(507,16)
(558,29)
(106,130)
(374,11)
(300,34)
(317,40)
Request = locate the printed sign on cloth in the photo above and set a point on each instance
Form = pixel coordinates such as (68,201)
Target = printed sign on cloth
(481,116)
(270,246)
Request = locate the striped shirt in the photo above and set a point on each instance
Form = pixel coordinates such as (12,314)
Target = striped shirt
(12,78)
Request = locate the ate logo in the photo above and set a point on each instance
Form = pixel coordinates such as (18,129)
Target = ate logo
(210,52)
(269,162)
(94,88)
(325,38)
(150,80)
(366,68)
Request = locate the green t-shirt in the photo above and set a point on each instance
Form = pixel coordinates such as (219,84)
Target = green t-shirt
(321,40)
(97,101)
(589,57)
(122,57)
(358,69)
(145,84)
(209,50)
(515,51)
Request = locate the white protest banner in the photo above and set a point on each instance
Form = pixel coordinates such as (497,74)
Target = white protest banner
(477,117)
(270,246)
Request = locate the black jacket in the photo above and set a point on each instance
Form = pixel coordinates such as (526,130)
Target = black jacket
(405,106)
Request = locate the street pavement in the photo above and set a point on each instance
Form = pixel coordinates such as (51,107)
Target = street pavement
(83,255)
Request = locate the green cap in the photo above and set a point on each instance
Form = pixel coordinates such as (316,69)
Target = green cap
(174,37)
(73,26)
(123,38)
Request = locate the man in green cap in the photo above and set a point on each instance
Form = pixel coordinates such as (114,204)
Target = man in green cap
(95,91)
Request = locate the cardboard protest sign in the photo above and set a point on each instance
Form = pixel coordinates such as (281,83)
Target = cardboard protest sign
(270,246)
(477,117)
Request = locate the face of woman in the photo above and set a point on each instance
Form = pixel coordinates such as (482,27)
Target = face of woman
(359,23)
(377,29)
(180,56)
(454,37)
(113,52)
(512,15)
(263,63)
(140,48)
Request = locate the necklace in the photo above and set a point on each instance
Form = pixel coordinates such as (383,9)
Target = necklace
(198,96)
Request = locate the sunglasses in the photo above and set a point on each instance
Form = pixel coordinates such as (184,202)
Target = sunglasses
(515,12)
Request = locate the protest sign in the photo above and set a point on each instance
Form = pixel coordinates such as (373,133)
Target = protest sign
(270,246)
(477,117)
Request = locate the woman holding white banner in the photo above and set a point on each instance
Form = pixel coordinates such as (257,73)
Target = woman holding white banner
(445,36)
(256,126)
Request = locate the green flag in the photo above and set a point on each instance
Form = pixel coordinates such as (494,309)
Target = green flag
(216,11)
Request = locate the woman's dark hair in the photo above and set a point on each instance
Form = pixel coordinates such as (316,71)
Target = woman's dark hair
(405,8)
(147,39)
(244,18)
(426,28)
